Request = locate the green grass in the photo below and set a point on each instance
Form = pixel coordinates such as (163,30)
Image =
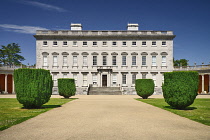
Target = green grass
(199,111)
(12,112)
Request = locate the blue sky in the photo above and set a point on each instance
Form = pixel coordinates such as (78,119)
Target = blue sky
(189,19)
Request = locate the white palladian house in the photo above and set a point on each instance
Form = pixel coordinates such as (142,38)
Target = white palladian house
(105,58)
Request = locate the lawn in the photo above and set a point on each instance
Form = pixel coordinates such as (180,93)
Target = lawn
(199,111)
(12,111)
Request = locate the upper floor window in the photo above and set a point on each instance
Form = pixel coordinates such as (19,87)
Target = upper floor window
(104,60)
(94,43)
(144,43)
(114,60)
(163,60)
(124,43)
(64,43)
(163,43)
(153,43)
(84,60)
(55,60)
(74,43)
(84,43)
(124,60)
(74,60)
(134,60)
(45,43)
(134,43)
(45,61)
(64,60)
(55,43)
(104,43)
(114,43)
(94,60)
(144,60)
(154,61)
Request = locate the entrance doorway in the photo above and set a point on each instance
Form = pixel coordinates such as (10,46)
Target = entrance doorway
(104,80)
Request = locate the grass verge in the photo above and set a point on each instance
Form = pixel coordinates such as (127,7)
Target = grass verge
(12,111)
(199,111)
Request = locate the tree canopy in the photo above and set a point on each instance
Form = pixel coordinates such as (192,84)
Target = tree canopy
(9,55)
(181,62)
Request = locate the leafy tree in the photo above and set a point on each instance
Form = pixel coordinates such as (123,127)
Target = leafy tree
(181,62)
(9,55)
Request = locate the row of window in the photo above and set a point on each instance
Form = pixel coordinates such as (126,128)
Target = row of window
(114,78)
(104,43)
(104,60)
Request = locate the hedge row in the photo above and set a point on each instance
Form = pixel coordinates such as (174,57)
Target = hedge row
(180,88)
(33,87)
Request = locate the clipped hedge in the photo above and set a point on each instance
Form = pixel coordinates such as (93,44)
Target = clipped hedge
(33,87)
(180,88)
(144,87)
(66,87)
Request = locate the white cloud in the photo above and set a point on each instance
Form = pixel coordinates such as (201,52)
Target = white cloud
(45,6)
(21,29)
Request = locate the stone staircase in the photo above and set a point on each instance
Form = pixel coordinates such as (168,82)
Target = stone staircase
(104,91)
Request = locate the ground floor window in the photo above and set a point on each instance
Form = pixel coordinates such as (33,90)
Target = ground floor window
(114,79)
(85,80)
(133,78)
(124,79)
(75,78)
(94,79)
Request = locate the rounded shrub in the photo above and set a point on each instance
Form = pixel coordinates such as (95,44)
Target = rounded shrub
(144,87)
(180,88)
(66,87)
(33,87)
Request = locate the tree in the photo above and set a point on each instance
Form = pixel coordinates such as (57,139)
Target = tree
(181,62)
(9,55)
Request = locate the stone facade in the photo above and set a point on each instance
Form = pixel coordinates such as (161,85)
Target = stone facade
(105,58)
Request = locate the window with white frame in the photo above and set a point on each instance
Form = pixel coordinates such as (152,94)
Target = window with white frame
(55,82)
(104,43)
(94,43)
(134,43)
(144,60)
(94,60)
(85,80)
(84,43)
(64,75)
(114,60)
(163,60)
(45,43)
(154,61)
(124,43)
(144,76)
(124,79)
(114,43)
(134,60)
(55,43)
(154,78)
(124,60)
(64,60)
(75,78)
(74,60)
(163,43)
(64,43)
(45,63)
(114,79)
(74,43)
(153,43)
(104,60)
(55,60)
(133,79)
(94,79)
(144,43)
(84,60)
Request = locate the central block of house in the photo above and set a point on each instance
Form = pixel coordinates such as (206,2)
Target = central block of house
(105,58)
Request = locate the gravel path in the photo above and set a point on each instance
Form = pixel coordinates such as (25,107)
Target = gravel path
(112,117)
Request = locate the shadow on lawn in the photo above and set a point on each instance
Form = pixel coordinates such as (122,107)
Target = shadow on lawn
(187,108)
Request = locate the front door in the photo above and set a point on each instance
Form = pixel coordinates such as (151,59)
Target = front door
(104,80)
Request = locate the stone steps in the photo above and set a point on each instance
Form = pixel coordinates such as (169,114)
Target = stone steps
(105,91)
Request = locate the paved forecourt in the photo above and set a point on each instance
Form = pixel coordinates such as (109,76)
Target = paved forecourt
(111,117)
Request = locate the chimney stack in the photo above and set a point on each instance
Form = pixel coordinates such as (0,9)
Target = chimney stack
(133,27)
(76,26)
